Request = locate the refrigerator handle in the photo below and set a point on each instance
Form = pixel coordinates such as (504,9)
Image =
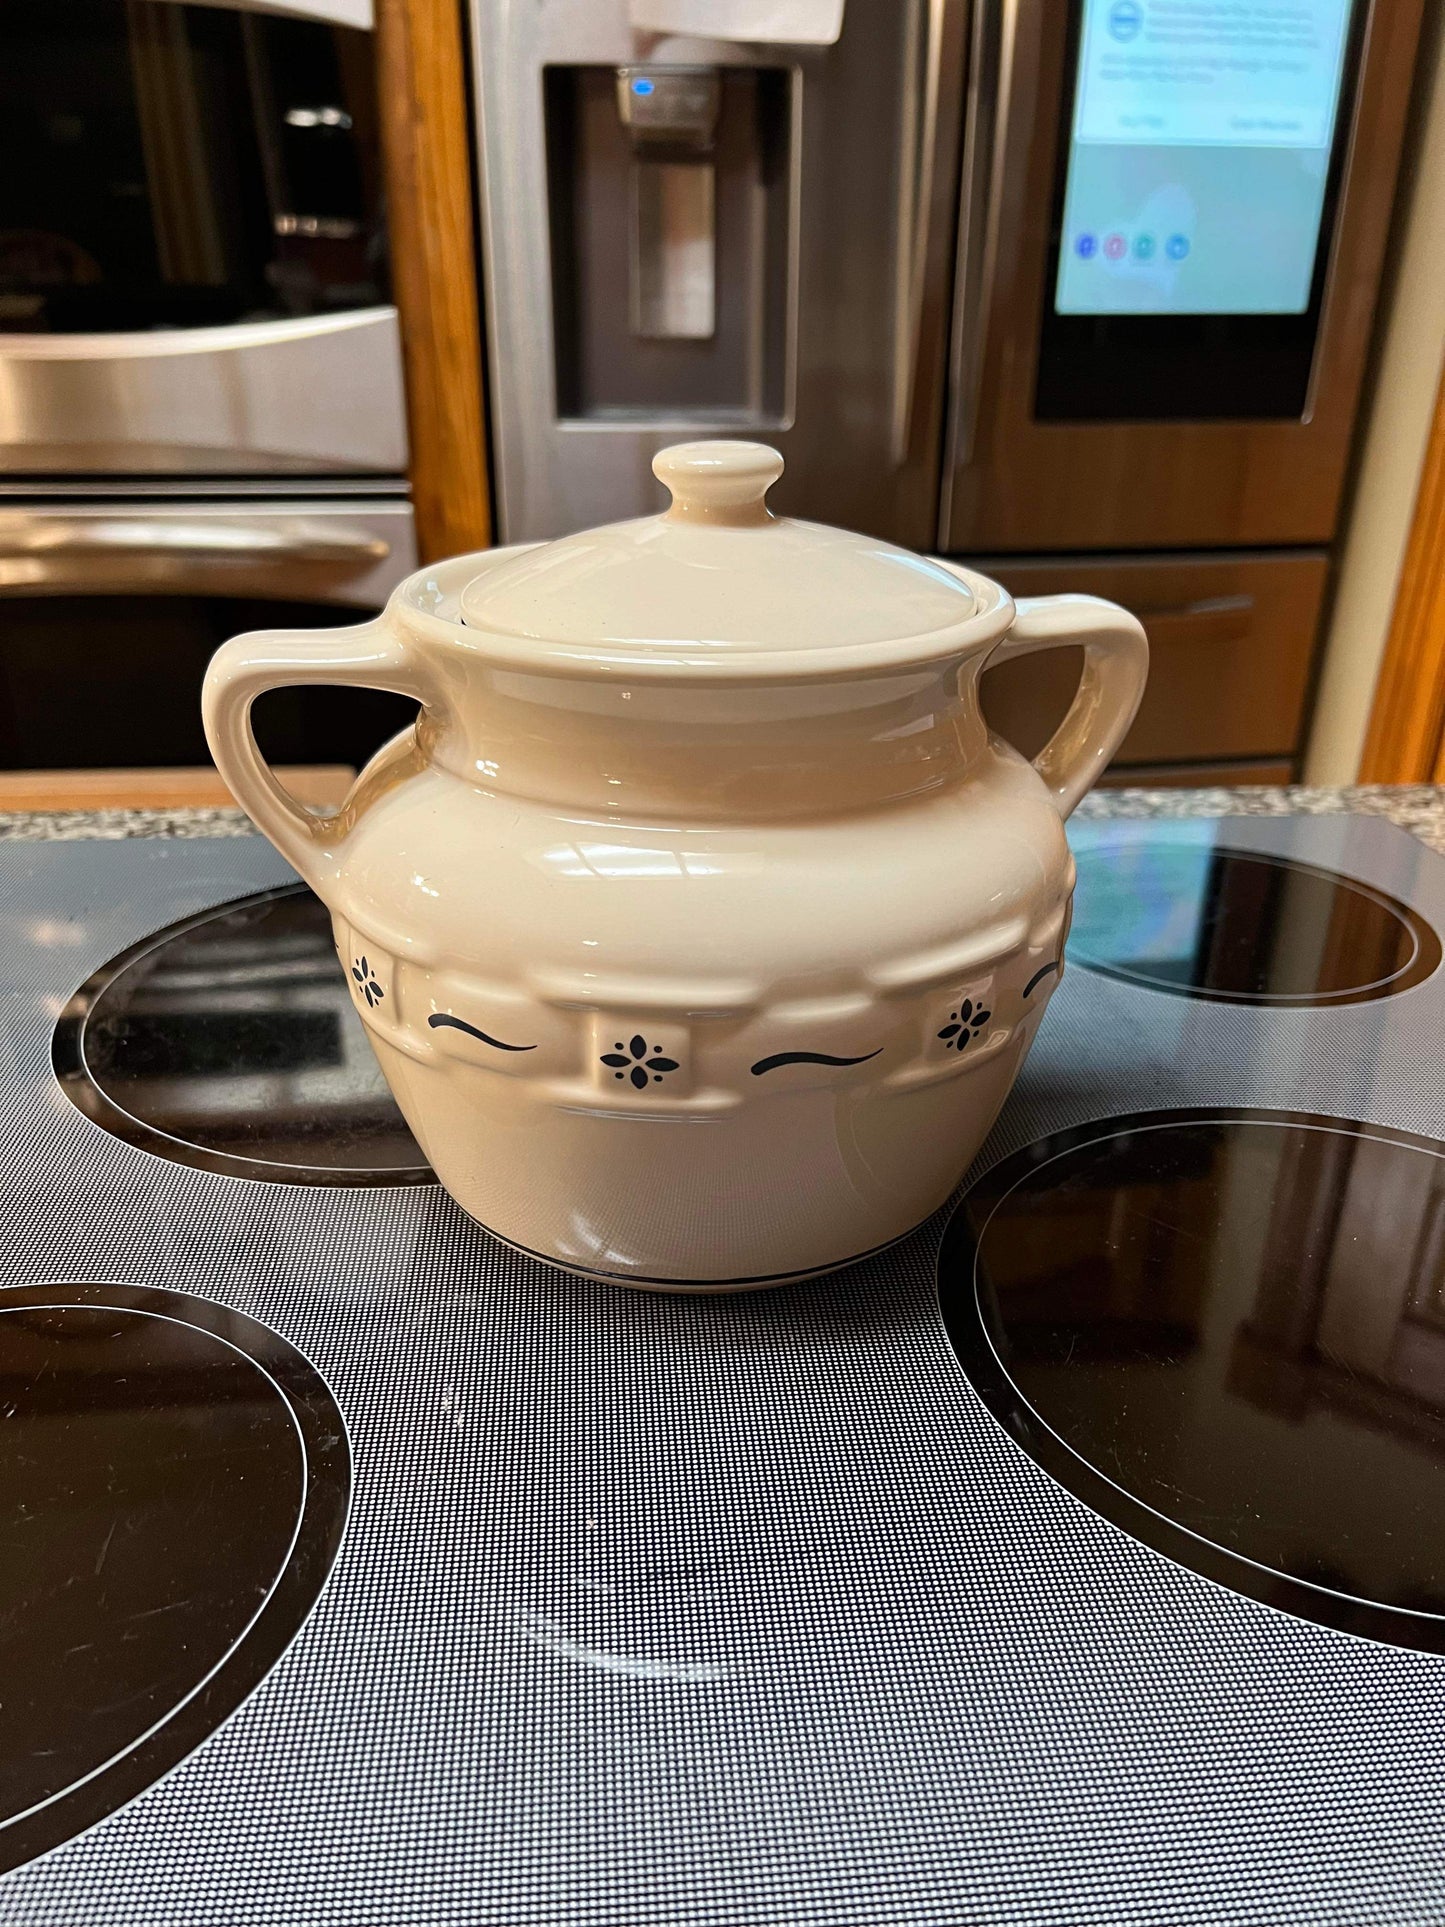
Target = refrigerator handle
(935,51)
(991,71)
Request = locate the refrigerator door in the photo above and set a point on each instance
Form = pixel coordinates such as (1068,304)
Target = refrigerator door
(1231,643)
(1040,452)
(757,240)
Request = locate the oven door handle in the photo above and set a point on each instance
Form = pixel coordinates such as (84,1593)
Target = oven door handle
(52,553)
(332,13)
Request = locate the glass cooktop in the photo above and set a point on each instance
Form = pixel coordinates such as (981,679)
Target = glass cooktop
(1174,907)
(172,1495)
(1222,1329)
(1225,1331)
(229,1041)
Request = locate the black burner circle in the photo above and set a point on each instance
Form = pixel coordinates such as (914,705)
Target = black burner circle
(1225,1331)
(1171,907)
(229,1042)
(172,1495)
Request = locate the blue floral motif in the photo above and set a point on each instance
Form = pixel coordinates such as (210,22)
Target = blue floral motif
(963,1025)
(367,986)
(637,1061)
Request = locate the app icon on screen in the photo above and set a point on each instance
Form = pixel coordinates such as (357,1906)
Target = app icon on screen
(1177,246)
(1115,246)
(1086,247)
(1126,17)
(1143,247)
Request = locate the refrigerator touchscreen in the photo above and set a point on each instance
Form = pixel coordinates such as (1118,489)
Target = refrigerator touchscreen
(1199,155)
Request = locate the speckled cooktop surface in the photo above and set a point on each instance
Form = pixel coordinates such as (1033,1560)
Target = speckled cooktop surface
(1419,808)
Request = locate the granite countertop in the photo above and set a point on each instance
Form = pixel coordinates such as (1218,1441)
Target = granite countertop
(1419,808)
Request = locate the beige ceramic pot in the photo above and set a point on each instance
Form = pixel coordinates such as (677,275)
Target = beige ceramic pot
(700,925)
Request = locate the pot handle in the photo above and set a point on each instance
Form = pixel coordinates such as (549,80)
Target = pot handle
(372,655)
(1116,666)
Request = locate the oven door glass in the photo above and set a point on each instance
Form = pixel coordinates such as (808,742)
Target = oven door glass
(114,681)
(180,166)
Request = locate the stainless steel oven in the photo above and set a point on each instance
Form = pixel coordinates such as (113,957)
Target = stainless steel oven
(193,271)
(1082,287)
(202,426)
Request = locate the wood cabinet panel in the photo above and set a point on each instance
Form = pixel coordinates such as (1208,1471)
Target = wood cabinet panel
(426,150)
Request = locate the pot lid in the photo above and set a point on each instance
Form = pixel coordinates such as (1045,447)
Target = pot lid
(718,580)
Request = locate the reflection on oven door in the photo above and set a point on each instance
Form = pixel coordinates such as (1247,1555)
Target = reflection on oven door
(321,395)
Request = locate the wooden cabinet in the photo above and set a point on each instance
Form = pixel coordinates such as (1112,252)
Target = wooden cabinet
(426,149)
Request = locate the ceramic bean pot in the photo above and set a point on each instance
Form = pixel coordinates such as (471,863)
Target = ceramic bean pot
(700,924)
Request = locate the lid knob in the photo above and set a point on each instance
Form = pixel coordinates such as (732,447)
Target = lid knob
(722,482)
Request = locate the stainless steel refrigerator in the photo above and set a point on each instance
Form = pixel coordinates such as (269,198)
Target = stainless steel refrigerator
(1079,289)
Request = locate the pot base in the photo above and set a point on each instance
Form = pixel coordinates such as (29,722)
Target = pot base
(697,1287)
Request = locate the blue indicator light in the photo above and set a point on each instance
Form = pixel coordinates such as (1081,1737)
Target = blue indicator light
(642,85)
